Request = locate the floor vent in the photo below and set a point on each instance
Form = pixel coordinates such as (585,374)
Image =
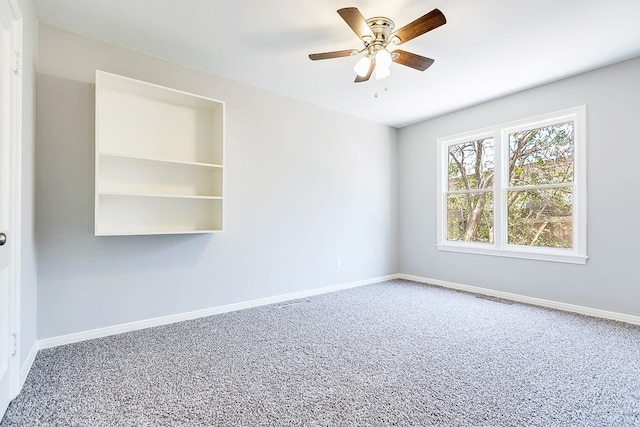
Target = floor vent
(495,299)
(290,304)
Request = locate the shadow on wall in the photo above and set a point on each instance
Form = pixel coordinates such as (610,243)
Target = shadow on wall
(65,206)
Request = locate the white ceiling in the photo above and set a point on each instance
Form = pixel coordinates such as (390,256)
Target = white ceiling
(487,49)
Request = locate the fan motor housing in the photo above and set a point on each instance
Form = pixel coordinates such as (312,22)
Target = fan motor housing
(382,27)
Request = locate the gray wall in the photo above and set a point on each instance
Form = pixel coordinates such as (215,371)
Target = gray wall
(28,275)
(304,185)
(609,280)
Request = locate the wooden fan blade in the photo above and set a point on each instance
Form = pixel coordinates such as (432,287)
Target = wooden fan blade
(360,79)
(412,60)
(424,24)
(356,21)
(329,55)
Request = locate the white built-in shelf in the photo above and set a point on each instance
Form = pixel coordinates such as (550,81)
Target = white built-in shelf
(159,159)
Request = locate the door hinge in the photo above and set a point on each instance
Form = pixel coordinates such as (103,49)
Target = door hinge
(17,63)
(15,344)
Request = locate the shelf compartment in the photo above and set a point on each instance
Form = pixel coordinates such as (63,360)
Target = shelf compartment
(132,214)
(142,119)
(143,176)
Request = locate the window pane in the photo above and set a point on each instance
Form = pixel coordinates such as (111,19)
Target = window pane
(470,217)
(471,165)
(542,156)
(541,217)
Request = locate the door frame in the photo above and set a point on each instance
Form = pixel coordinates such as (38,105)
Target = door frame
(15,199)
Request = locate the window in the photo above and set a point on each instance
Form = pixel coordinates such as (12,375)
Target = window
(516,189)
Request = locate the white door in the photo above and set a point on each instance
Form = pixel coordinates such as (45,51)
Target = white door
(7,238)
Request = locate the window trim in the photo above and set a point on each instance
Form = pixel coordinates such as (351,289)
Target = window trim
(500,134)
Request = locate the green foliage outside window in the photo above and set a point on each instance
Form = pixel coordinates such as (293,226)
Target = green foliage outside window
(471,177)
(540,218)
(539,189)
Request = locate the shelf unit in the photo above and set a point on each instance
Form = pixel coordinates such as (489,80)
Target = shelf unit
(159,159)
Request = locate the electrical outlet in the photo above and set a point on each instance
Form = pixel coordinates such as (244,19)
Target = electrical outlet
(338,263)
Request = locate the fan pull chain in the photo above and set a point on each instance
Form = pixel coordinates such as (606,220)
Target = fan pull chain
(375,94)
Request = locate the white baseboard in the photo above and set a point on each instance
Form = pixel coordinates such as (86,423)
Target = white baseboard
(158,321)
(142,324)
(594,312)
(165,320)
(26,367)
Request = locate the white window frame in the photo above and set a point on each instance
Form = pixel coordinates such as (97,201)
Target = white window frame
(500,134)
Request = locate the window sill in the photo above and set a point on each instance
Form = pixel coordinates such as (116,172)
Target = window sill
(559,255)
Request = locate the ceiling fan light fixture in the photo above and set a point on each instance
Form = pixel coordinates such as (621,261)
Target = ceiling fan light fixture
(383,64)
(362,66)
(383,58)
(382,72)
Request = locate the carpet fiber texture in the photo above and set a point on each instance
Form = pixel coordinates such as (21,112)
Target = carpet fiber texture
(393,353)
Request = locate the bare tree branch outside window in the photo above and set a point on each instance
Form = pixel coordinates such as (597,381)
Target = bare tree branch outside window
(539,189)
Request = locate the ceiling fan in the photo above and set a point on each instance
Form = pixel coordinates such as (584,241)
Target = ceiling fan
(378,36)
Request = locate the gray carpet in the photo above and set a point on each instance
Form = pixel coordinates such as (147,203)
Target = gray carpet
(394,353)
